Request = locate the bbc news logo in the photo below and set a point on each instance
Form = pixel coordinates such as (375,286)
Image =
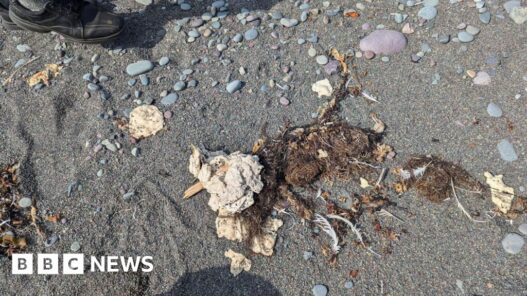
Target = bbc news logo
(74,264)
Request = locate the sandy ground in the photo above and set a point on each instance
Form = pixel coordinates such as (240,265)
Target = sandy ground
(46,130)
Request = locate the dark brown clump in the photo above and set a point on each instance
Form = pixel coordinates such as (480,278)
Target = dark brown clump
(12,217)
(436,181)
(298,156)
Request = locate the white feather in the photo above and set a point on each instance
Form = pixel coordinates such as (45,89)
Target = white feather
(355,230)
(323,223)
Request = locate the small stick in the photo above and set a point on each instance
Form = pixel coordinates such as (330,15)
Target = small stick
(381,177)
(193,190)
(10,78)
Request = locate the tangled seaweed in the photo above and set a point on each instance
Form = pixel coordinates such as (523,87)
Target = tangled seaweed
(432,177)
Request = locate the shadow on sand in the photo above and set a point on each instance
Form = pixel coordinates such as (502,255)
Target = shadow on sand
(219,281)
(146,28)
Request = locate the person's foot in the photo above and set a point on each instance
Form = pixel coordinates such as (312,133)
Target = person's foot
(77,20)
(4,16)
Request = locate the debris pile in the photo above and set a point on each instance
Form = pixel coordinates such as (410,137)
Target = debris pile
(14,212)
(232,181)
(432,178)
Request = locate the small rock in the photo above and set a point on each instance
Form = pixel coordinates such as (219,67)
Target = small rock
(369,54)
(51,240)
(507,151)
(163,61)
(284,101)
(482,78)
(472,30)
(523,228)
(180,85)
(234,86)
(519,15)
(494,110)
(322,59)
(169,99)
(25,202)
(383,42)
(320,290)
(443,38)
(75,246)
(485,17)
(513,243)
(250,34)
(139,67)
(427,12)
(308,255)
(332,67)
(348,284)
(509,5)
(465,36)
(135,151)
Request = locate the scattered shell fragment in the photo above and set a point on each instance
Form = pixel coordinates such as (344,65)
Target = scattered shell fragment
(239,262)
(231,180)
(322,88)
(501,194)
(145,121)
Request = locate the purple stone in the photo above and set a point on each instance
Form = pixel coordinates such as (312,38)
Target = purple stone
(384,42)
(332,67)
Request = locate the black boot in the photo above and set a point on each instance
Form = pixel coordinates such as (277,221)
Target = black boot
(4,16)
(77,20)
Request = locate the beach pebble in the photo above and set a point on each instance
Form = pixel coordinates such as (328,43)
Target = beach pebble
(139,67)
(332,67)
(509,5)
(523,228)
(383,42)
(234,86)
(185,6)
(369,54)
(348,284)
(464,36)
(163,61)
(237,38)
(519,15)
(494,110)
(135,152)
(180,85)
(482,78)
(322,59)
(23,48)
(308,255)
(75,246)
(513,243)
(427,12)
(288,22)
(250,34)
(507,151)
(472,30)
(51,240)
(169,99)
(25,202)
(284,101)
(312,52)
(320,290)
(485,17)
(443,38)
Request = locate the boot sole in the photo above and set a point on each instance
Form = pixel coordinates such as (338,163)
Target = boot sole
(9,25)
(41,29)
